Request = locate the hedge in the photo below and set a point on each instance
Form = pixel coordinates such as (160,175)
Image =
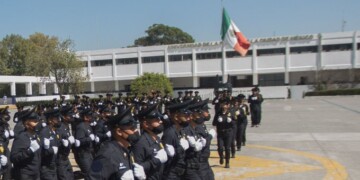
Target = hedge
(334,92)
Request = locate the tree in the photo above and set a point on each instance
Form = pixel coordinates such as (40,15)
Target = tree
(151,82)
(159,34)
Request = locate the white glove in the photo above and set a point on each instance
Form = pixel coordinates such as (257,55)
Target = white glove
(16,120)
(139,172)
(203,141)
(46,143)
(220,119)
(191,140)
(3,160)
(12,134)
(43,124)
(170,150)
(97,139)
(228,119)
(65,142)
(237,112)
(165,116)
(161,155)
(128,175)
(77,143)
(108,134)
(6,133)
(92,137)
(71,139)
(55,149)
(184,144)
(216,101)
(198,146)
(34,145)
(212,132)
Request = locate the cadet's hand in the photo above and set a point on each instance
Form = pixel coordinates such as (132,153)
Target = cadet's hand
(139,172)
(71,139)
(6,133)
(212,132)
(184,144)
(165,116)
(92,137)
(220,119)
(65,142)
(3,160)
(16,119)
(237,112)
(191,140)
(228,119)
(128,175)
(203,141)
(43,124)
(11,132)
(46,143)
(108,134)
(77,143)
(97,139)
(170,150)
(34,145)
(55,149)
(161,155)
(198,146)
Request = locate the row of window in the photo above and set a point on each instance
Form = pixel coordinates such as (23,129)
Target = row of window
(229,54)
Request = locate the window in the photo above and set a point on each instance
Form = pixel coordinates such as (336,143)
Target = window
(215,55)
(153,59)
(337,47)
(305,49)
(234,54)
(85,64)
(180,57)
(277,51)
(127,61)
(272,79)
(101,63)
(358,46)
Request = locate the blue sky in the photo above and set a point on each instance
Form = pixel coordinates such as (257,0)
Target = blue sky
(117,23)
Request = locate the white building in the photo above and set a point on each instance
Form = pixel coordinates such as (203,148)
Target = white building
(271,61)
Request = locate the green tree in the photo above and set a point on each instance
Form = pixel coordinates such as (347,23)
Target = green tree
(151,82)
(160,34)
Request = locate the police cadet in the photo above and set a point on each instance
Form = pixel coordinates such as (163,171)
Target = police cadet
(50,145)
(223,122)
(242,122)
(102,131)
(5,135)
(64,168)
(217,101)
(85,136)
(63,102)
(200,114)
(100,101)
(115,160)
(255,101)
(197,98)
(26,152)
(179,99)
(149,152)
(175,141)
(120,103)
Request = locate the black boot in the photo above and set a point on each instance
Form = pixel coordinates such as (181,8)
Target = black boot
(221,160)
(227,164)
(232,155)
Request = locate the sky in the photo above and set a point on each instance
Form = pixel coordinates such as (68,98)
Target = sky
(95,24)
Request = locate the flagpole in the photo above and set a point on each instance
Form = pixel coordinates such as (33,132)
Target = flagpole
(223,56)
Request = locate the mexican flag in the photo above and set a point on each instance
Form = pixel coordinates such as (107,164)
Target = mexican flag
(231,35)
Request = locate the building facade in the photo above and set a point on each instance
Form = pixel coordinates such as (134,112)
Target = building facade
(272,61)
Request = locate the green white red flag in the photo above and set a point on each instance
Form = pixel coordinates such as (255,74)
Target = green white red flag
(231,35)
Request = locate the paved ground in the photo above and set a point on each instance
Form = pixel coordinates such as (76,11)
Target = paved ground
(313,138)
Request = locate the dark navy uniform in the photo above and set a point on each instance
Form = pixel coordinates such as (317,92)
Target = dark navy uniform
(192,157)
(175,166)
(64,168)
(111,162)
(48,156)
(255,108)
(84,153)
(144,153)
(26,162)
(205,169)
